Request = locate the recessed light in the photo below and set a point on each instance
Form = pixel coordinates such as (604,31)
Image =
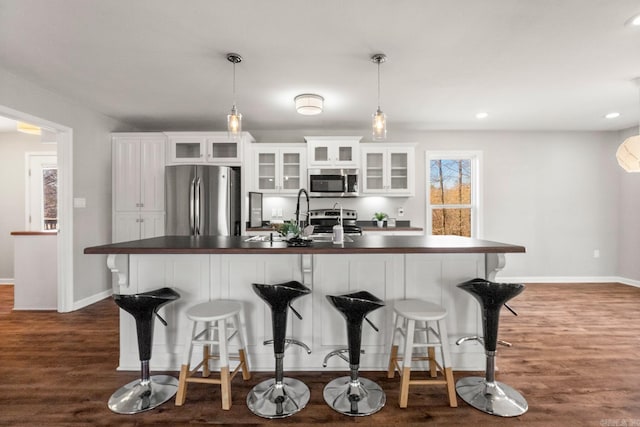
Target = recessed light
(482,115)
(612,115)
(634,21)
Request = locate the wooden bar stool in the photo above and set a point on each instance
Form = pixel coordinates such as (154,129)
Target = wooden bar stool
(413,316)
(214,330)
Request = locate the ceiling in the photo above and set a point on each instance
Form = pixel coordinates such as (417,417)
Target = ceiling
(161,64)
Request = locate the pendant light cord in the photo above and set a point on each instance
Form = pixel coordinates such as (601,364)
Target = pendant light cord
(378,85)
(234,84)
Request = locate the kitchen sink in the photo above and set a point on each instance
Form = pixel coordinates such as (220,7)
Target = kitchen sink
(328,238)
(263,238)
(320,238)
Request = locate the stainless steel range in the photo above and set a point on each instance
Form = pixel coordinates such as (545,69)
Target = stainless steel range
(323,220)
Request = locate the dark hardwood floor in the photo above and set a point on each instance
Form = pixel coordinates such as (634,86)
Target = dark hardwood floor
(575,359)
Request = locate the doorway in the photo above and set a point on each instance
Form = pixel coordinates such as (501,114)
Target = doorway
(64,177)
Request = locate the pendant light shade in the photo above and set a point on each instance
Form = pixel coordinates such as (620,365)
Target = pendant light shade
(628,153)
(379,124)
(234,119)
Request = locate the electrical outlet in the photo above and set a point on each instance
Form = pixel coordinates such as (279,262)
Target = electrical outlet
(400,211)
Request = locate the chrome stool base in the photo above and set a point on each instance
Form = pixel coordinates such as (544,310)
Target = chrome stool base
(356,398)
(139,395)
(493,398)
(271,400)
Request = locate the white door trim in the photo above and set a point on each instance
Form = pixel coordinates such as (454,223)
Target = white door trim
(65,202)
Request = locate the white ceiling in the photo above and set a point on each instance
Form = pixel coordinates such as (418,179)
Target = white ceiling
(160,64)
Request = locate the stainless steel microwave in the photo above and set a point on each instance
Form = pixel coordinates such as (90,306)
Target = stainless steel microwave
(333,182)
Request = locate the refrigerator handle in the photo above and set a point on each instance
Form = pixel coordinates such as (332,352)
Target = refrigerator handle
(197,207)
(192,190)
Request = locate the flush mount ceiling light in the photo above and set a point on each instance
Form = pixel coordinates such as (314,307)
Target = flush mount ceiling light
(234,119)
(612,115)
(482,115)
(379,118)
(309,104)
(27,128)
(628,153)
(634,21)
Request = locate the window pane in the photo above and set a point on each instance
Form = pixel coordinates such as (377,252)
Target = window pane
(450,181)
(455,222)
(50,198)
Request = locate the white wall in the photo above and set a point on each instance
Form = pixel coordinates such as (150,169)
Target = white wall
(629,229)
(13,146)
(556,193)
(91,172)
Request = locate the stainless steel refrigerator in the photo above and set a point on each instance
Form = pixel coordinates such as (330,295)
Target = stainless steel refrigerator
(202,200)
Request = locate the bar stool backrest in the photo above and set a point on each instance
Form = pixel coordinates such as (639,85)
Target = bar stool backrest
(354,307)
(491,297)
(142,307)
(278,297)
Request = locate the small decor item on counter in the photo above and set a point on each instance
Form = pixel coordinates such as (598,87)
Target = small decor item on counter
(380,217)
(288,229)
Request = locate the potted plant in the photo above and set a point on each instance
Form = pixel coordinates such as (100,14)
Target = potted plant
(289,229)
(380,217)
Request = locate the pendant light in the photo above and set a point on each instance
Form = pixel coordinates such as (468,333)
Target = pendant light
(628,153)
(234,119)
(379,118)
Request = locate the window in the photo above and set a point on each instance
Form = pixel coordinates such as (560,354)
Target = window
(452,199)
(42,192)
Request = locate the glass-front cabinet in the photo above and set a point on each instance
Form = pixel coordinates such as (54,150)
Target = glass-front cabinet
(279,170)
(388,170)
(205,147)
(333,151)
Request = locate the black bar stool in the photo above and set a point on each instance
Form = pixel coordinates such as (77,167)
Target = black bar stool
(147,392)
(487,394)
(280,397)
(353,395)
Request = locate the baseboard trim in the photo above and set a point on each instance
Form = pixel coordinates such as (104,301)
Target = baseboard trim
(7,281)
(569,279)
(91,300)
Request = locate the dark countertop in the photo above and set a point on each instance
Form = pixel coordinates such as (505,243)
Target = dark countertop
(361,245)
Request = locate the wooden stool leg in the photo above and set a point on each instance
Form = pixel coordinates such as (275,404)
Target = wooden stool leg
(451,387)
(393,358)
(405,379)
(181,394)
(246,375)
(225,379)
(206,355)
(446,363)
(225,388)
(433,368)
(404,387)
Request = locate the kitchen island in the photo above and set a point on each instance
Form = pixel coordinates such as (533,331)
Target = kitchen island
(222,267)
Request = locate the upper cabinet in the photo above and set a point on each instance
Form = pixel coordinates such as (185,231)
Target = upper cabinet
(206,147)
(279,169)
(388,169)
(333,151)
(138,185)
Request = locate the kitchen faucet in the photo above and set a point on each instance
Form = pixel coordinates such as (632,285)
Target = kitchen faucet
(302,190)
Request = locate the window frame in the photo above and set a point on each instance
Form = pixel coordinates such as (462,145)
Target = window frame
(475,158)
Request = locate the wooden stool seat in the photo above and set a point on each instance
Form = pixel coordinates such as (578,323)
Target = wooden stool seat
(430,319)
(214,331)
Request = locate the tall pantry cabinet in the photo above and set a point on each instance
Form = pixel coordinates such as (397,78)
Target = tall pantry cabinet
(138,185)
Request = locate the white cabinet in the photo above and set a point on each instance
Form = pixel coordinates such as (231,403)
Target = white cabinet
(205,147)
(388,170)
(279,170)
(333,151)
(138,185)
